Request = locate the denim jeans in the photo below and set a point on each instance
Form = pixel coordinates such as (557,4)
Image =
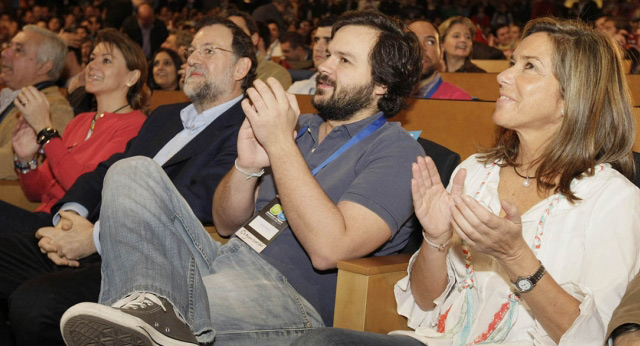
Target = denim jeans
(336,337)
(152,242)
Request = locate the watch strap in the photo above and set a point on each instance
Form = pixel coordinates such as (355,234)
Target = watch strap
(533,279)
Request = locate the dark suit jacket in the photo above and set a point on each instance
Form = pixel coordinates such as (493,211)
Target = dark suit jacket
(195,170)
(159,32)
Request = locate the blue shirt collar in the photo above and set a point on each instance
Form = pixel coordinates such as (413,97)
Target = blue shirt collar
(192,121)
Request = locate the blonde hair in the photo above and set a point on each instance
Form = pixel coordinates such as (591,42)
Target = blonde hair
(444,28)
(598,124)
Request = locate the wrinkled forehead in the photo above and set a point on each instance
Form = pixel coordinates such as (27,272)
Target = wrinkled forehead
(216,34)
(28,40)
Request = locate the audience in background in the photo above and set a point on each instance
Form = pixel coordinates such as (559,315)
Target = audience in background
(295,53)
(457,33)
(274,49)
(178,41)
(431,85)
(321,38)
(146,30)
(272,11)
(265,68)
(164,70)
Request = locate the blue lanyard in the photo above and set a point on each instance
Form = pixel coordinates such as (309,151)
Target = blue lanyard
(364,133)
(434,88)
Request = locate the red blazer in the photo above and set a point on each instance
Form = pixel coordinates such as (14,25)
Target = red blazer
(71,156)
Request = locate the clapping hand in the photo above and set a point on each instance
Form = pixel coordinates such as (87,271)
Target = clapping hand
(34,107)
(271,119)
(432,202)
(487,233)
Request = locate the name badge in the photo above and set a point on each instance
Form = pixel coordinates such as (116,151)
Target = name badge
(263,227)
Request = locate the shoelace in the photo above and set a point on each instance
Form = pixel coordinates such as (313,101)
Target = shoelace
(142,300)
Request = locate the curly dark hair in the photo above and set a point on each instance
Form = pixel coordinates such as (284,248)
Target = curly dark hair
(241,45)
(396,58)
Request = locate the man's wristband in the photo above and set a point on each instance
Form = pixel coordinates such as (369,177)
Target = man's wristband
(249,175)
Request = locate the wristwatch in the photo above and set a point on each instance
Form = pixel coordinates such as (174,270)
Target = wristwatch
(525,284)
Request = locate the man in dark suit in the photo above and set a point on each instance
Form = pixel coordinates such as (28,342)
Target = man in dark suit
(146,30)
(194,143)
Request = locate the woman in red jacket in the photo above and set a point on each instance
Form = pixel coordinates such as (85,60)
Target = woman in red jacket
(115,75)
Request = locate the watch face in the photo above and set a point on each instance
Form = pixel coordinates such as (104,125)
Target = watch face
(524,285)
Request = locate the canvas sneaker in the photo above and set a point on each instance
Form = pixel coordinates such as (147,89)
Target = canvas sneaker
(142,319)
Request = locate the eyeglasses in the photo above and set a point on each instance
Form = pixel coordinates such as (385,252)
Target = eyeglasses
(206,51)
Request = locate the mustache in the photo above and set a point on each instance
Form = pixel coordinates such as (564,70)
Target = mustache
(324,79)
(193,69)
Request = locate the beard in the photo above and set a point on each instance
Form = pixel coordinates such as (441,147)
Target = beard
(430,69)
(202,94)
(343,105)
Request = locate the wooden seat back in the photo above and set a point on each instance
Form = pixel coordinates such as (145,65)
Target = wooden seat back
(461,126)
(481,86)
(161,97)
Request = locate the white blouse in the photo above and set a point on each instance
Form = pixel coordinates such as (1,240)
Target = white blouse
(591,248)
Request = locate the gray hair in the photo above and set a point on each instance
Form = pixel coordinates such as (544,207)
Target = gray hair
(52,48)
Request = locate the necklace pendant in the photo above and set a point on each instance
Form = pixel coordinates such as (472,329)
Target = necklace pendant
(526,182)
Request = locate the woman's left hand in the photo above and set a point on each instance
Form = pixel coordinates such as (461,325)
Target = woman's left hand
(34,107)
(487,233)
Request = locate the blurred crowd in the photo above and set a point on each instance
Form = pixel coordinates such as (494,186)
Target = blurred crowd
(169,23)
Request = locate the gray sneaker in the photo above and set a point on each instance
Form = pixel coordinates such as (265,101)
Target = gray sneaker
(139,319)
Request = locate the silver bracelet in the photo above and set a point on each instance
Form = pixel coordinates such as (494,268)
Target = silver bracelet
(439,247)
(249,175)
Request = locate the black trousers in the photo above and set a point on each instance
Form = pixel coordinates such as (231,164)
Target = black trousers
(35,290)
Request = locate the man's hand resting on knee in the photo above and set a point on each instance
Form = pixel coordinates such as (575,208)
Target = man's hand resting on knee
(69,241)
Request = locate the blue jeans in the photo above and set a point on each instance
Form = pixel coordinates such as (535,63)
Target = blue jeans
(152,242)
(337,337)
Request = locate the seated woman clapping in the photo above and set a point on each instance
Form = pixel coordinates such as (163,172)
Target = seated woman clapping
(115,75)
(536,239)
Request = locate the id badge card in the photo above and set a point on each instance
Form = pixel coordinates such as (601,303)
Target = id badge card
(263,227)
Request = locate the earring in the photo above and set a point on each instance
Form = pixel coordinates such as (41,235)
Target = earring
(562,112)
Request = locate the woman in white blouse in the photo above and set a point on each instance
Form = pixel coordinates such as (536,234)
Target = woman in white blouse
(537,238)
